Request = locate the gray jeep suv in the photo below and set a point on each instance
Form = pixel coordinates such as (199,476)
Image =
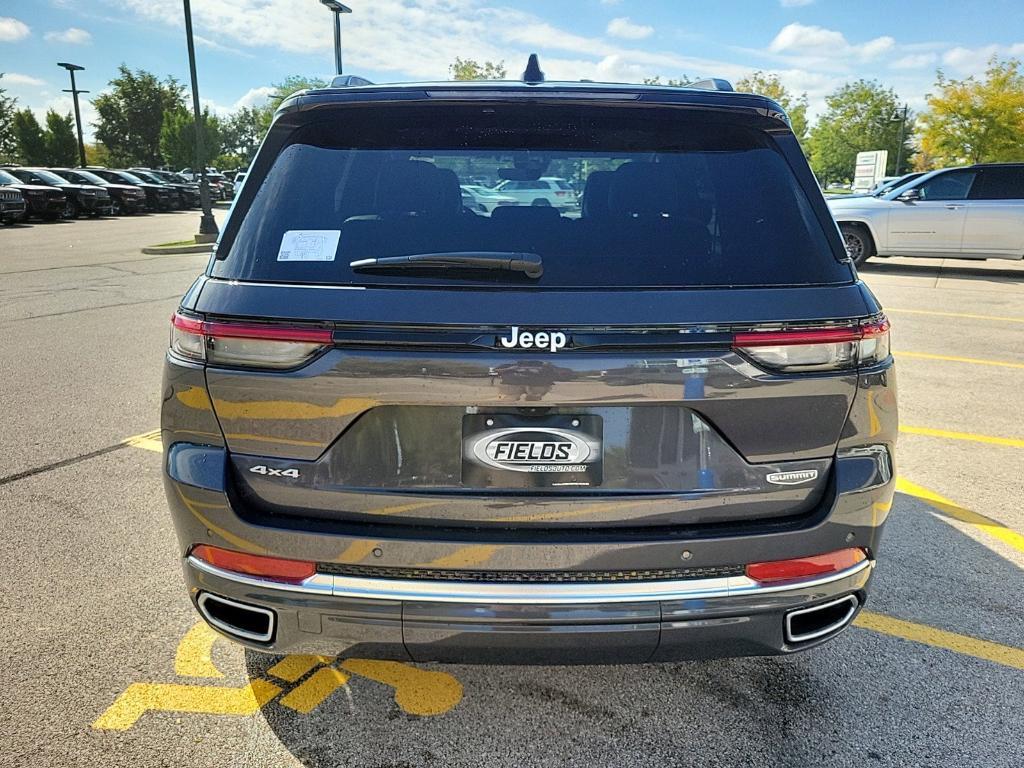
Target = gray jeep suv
(657,427)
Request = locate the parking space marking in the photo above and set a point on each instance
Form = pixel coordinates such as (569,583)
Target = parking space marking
(952,509)
(293,668)
(312,692)
(940,638)
(965,315)
(149,441)
(1011,442)
(140,698)
(194,657)
(954,359)
(417,691)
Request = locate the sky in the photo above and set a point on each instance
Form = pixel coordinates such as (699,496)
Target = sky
(245,45)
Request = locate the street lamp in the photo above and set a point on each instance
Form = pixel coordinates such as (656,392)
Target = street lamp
(207,224)
(72,68)
(900,114)
(337,9)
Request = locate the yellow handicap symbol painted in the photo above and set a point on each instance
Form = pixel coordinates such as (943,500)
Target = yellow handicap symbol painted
(416,691)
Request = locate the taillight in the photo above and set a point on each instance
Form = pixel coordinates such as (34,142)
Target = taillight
(817,349)
(245,344)
(805,567)
(275,568)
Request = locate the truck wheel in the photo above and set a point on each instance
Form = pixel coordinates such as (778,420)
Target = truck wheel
(541,201)
(858,241)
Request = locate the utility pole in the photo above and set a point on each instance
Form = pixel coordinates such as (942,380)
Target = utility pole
(72,68)
(901,115)
(337,9)
(208,230)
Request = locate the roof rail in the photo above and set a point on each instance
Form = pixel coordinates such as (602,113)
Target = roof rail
(348,81)
(711,84)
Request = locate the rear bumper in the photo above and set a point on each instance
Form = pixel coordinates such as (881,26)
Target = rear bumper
(631,622)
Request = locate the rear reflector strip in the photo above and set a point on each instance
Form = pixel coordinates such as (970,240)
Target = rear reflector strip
(805,567)
(273,568)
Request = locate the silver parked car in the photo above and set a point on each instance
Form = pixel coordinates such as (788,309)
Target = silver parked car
(975,212)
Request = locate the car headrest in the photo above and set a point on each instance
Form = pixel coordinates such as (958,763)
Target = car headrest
(416,187)
(644,190)
(595,195)
(526,215)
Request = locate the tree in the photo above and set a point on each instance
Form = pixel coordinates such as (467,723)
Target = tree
(242,133)
(859,116)
(131,115)
(468,69)
(178,138)
(976,121)
(288,86)
(30,137)
(8,141)
(60,138)
(768,84)
(672,81)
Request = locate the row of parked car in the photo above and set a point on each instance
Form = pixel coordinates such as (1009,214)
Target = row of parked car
(53,193)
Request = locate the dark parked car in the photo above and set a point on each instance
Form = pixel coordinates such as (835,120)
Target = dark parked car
(12,205)
(80,199)
(188,193)
(42,201)
(124,198)
(659,428)
(159,197)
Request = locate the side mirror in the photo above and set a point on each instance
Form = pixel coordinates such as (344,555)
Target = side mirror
(909,196)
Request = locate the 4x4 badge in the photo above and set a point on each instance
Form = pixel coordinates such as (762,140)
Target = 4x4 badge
(796,477)
(553,340)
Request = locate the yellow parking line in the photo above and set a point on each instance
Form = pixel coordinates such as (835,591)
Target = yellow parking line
(953,359)
(312,692)
(1006,655)
(149,441)
(194,655)
(967,316)
(1012,442)
(952,509)
(139,698)
(291,668)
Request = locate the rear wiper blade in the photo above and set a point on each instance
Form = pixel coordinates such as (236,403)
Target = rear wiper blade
(508,261)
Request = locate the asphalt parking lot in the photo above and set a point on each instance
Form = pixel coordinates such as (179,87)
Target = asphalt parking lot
(105,664)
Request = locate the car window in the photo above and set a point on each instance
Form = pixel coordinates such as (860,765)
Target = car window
(999,183)
(953,185)
(667,201)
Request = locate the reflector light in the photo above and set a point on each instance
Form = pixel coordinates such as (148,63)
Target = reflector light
(805,567)
(273,568)
(245,344)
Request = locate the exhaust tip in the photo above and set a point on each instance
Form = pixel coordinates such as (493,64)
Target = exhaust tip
(247,622)
(820,620)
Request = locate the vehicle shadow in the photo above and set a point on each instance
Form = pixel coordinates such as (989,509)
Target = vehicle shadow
(865,697)
(962,270)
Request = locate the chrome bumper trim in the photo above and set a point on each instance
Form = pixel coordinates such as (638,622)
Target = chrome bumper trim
(325,585)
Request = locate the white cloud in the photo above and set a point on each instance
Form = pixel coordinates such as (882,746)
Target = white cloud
(71,36)
(626,29)
(794,3)
(12,30)
(971,61)
(810,41)
(915,61)
(13,78)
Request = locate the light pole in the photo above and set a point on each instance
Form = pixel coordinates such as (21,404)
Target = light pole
(72,68)
(901,115)
(207,224)
(337,9)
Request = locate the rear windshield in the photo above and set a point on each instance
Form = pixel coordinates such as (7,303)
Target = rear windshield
(611,197)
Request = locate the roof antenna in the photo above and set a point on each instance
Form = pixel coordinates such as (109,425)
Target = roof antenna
(532,73)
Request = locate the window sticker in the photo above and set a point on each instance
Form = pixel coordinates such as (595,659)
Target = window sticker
(309,245)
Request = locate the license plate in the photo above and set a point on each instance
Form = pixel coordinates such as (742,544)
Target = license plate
(520,451)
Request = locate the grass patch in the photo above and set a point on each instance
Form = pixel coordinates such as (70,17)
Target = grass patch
(175,243)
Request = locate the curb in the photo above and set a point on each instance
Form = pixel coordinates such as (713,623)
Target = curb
(156,250)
